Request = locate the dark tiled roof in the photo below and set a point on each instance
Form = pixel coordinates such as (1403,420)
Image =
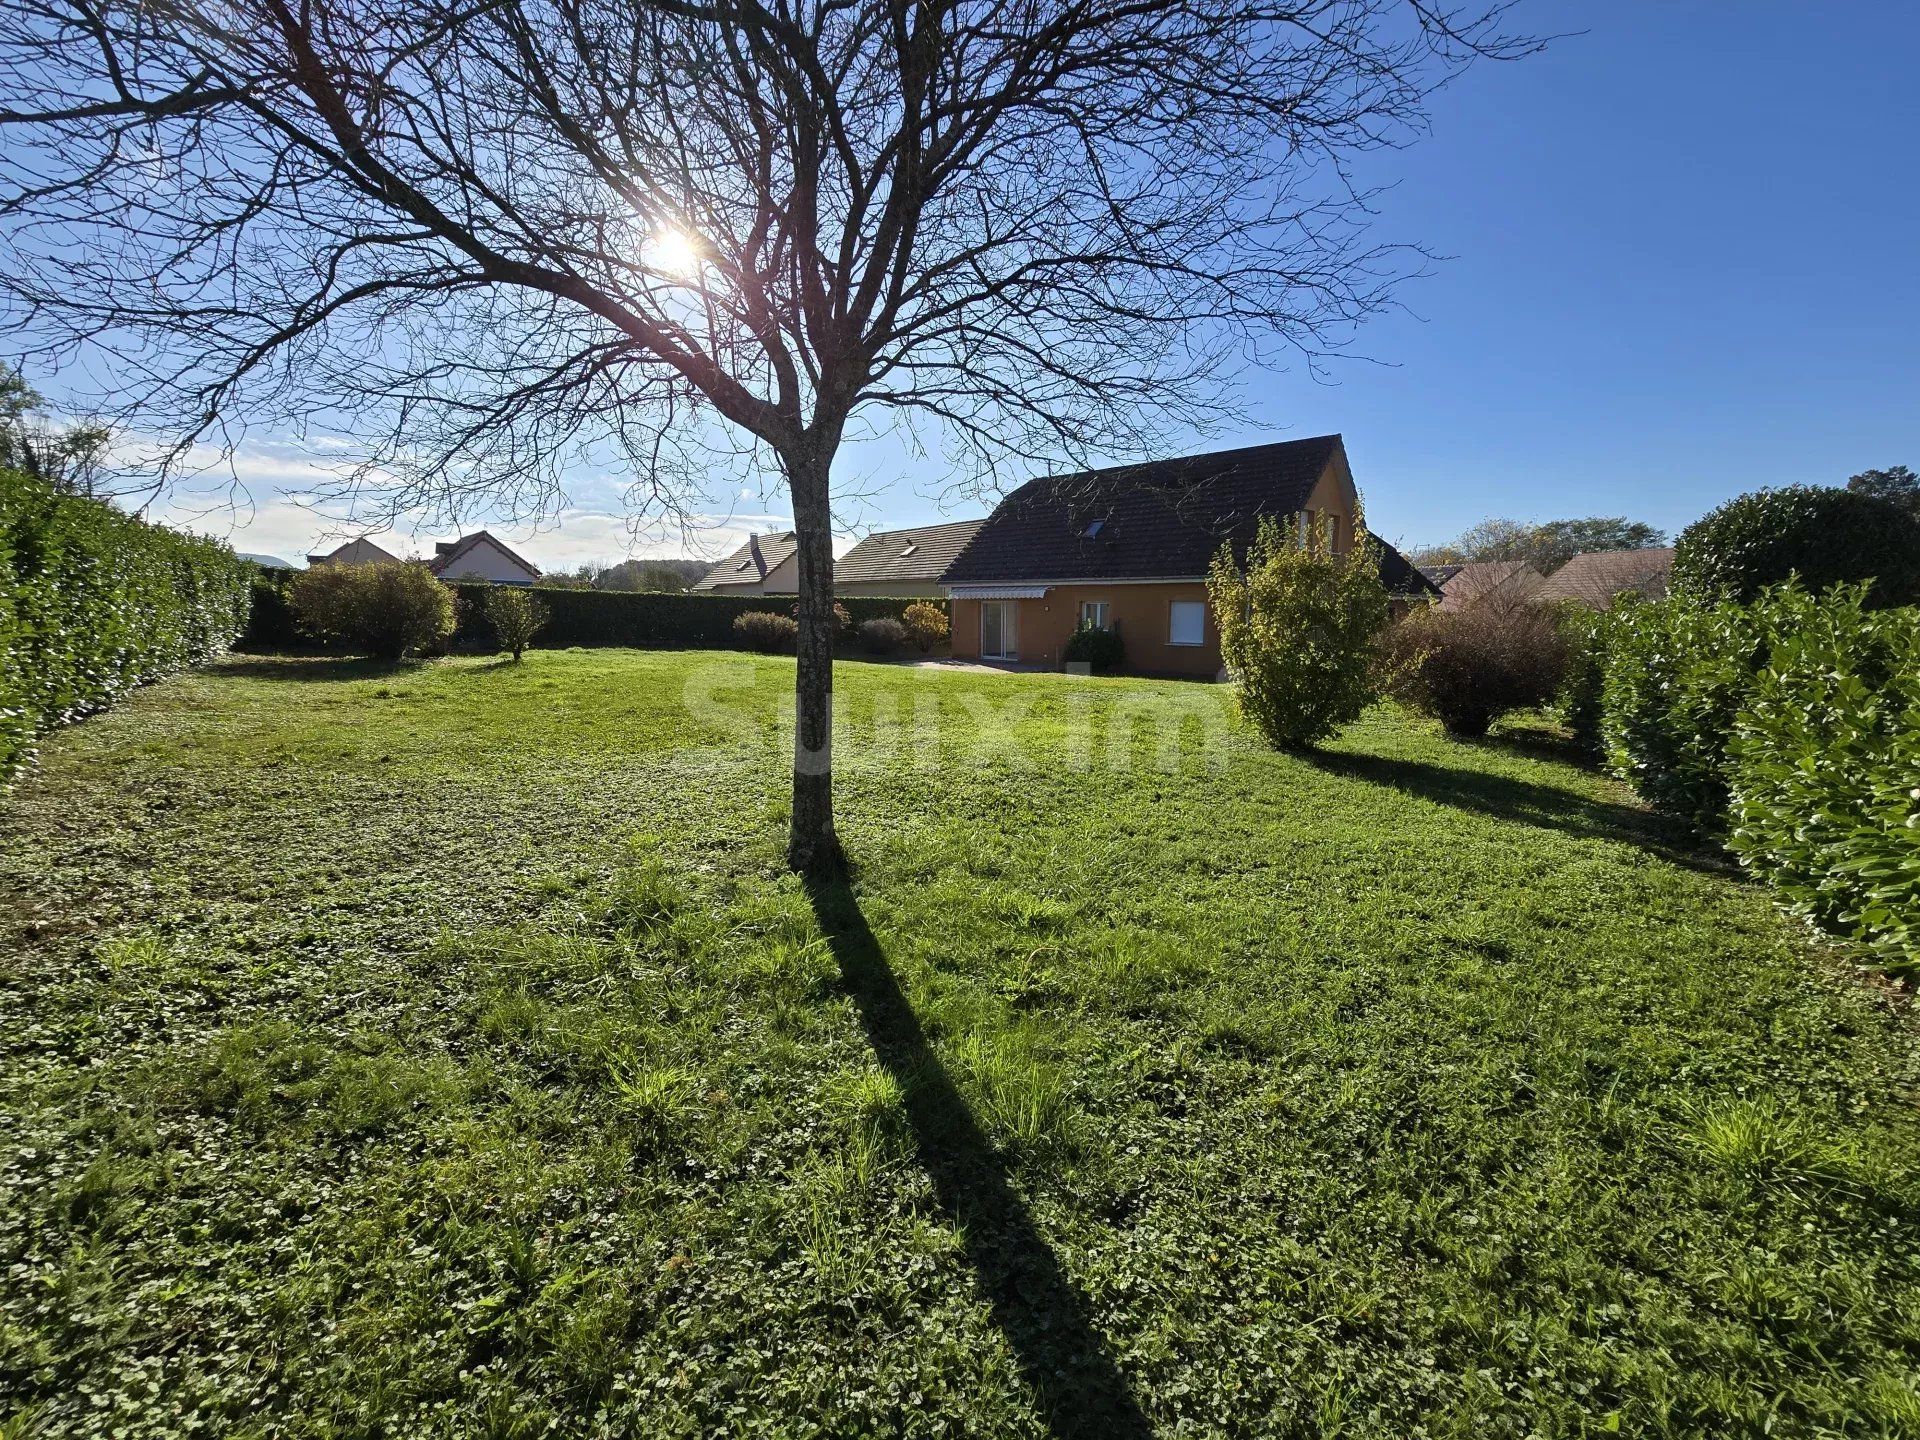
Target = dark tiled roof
(1440,574)
(448,551)
(1596,577)
(905,555)
(752,562)
(1161,520)
(1401,576)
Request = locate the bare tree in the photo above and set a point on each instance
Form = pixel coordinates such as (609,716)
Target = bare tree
(483,235)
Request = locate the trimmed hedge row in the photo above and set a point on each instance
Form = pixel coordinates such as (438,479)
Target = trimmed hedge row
(1825,770)
(94,602)
(644,620)
(1790,728)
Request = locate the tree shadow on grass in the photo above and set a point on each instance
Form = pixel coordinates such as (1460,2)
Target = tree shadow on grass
(320,666)
(1547,806)
(1064,1359)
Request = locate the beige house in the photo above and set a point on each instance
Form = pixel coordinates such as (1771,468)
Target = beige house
(355,552)
(903,562)
(1127,549)
(766,565)
(481,557)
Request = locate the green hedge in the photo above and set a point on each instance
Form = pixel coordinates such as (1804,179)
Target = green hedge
(1677,672)
(644,620)
(1790,727)
(1825,768)
(94,602)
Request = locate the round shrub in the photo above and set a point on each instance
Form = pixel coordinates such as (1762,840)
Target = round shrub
(767,632)
(1468,667)
(384,610)
(926,624)
(882,637)
(1824,536)
(842,621)
(1300,632)
(1102,651)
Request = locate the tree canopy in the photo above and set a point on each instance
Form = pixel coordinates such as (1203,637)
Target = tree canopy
(1896,483)
(1546,546)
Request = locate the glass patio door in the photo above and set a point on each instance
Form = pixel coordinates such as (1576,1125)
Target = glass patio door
(998,638)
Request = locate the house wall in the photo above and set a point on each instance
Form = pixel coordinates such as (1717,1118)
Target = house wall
(1141,611)
(486,561)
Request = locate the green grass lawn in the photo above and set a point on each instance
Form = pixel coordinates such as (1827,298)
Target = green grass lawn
(443,1051)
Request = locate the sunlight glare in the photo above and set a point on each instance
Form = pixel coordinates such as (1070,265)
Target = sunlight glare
(673,253)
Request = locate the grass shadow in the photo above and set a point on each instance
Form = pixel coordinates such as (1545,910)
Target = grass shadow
(317,665)
(1542,742)
(1549,807)
(1080,1389)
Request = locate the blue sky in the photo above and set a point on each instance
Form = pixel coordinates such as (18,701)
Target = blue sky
(1684,262)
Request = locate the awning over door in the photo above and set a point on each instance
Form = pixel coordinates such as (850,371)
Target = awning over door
(997,592)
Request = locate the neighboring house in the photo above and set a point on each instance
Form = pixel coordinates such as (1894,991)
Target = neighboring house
(1128,548)
(1511,581)
(1595,579)
(902,562)
(481,557)
(355,552)
(766,565)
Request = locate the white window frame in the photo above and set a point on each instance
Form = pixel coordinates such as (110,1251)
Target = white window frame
(1101,610)
(1172,608)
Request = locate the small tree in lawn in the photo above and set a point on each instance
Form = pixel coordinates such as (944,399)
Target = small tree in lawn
(516,617)
(1299,630)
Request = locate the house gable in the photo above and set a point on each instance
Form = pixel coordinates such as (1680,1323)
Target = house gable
(765,564)
(480,556)
(355,552)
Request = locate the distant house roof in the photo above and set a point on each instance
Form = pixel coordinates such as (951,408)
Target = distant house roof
(752,562)
(447,553)
(355,552)
(905,555)
(1594,579)
(1464,585)
(1164,520)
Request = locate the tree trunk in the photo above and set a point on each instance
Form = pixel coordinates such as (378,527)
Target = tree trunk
(812,847)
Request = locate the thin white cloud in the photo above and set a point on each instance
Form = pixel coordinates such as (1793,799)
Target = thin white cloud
(263,499)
